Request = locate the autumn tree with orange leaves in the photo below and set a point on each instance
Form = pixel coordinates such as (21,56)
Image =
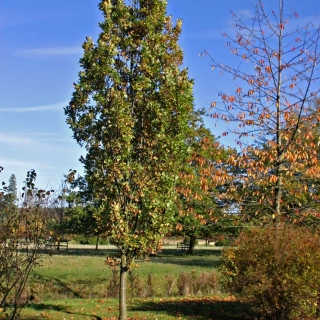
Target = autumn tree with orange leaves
(198,213)
(273,115)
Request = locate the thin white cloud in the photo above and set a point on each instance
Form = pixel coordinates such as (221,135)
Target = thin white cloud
(41,147)
(11,163)
(56,51)
(20,168)
(245,14)
(56,106)
(217,33)
(33,139)
(51,137)
(12,18)
(211,34)
(313,22)
(11,140)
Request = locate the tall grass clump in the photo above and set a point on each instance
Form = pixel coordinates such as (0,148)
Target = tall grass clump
(191,283)
(277,269)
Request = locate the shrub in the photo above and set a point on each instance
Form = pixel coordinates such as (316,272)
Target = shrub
(223,241)
(21,231)
(149,288)
(170,282)
(277,268)
(191,283)
(135,284)
(114,284)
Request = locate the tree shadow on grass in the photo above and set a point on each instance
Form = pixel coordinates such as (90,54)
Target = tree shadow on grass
(81,252)
(72,290)
(201,258)
(63,309)
(67,288)
(164,253)
(190,262)
(201,251)
(199,308)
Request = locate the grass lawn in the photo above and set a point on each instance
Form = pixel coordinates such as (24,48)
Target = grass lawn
(191,308)
(83,273)
(74,284)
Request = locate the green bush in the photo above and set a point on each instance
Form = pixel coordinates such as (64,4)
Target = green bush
(277,269)
(223,241)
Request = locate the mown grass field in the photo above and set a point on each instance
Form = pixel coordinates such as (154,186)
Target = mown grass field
(75,284)
(187,308)
(83,273)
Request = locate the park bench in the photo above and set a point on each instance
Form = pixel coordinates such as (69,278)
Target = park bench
(210,240)
(52,243)
(182,246)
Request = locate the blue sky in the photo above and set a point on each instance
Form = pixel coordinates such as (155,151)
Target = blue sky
(40,51)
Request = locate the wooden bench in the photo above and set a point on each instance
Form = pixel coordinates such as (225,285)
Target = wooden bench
(210,240)
(182,246)
(56,243)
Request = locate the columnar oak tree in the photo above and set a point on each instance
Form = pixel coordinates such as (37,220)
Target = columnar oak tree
(270,113)
(130,110)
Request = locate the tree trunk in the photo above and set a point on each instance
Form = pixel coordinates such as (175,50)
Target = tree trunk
(192,243)
(278,186)
(97,241)
(278,192)
(123,289)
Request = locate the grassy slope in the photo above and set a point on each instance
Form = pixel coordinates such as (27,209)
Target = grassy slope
(83,273)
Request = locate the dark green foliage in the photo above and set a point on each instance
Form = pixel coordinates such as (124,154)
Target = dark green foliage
(277,268)
(223,240)
(83,239)
(12,189)
(81,220)
(8,198)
